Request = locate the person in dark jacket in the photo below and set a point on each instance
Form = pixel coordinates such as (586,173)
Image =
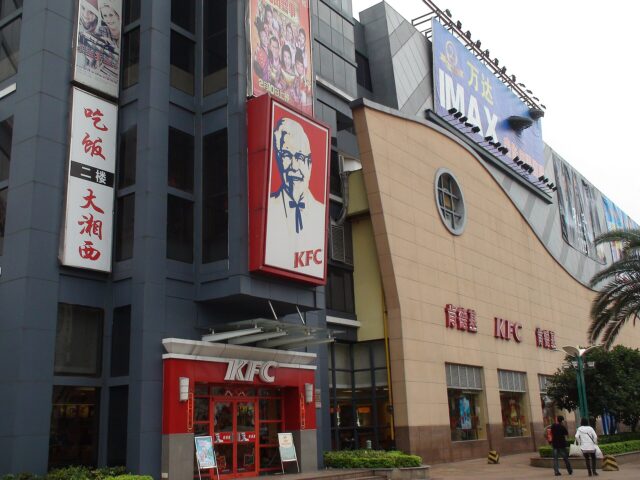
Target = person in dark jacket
(559,443)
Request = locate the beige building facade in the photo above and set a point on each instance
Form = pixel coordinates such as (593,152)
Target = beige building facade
(458,391)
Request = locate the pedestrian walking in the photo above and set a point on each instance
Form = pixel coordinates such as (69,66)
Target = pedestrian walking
(587,439)
(559,443)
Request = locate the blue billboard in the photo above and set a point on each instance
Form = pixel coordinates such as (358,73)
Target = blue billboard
(463,82)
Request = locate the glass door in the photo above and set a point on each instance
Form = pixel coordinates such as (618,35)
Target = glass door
(234,435)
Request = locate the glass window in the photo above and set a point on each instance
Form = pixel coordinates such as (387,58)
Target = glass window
(131,11)
(215,208)
(339,290)
(515,418)
(117,433)
(130,58)
(182,63)
(78,340)
(466,414)
(363,72)
(549,409)
(3,216)
(6,135)
(215,47)
(450,202)
(127,163)
(125,220)
(7,7)
(179,229)
(120,341)
(73,436)
(9,49)
(183,13)
(181,151)
(335,183)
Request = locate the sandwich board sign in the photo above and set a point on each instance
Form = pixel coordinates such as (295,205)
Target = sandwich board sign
(205,455)
(287,450)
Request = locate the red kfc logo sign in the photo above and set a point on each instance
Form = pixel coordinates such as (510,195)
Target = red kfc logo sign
(506,330)
(288,191)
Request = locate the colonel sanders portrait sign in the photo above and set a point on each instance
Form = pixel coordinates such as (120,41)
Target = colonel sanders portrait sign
(293,202)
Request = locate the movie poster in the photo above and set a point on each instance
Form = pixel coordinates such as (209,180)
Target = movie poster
(280,47)
(98,43)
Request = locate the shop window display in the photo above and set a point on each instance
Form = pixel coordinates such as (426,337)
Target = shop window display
(466,415)
(515,419)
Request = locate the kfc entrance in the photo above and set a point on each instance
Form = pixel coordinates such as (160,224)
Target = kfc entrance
(240,403)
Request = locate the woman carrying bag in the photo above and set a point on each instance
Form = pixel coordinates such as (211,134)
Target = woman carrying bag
(587,439)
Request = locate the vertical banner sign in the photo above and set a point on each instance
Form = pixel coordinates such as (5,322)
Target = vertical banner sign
(97,45)
(280,45)
(288,192)
(463,82)
(88,224)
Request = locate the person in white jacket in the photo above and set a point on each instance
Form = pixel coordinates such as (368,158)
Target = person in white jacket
(587,439)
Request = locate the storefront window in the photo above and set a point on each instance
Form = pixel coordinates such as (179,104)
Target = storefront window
(465,397)
(549,409)
(514,403)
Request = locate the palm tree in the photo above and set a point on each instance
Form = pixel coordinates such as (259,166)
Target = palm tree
(619,299)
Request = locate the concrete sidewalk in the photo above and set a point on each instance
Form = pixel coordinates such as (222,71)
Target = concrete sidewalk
(517,466)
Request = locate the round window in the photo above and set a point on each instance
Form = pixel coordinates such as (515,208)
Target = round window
(450,201)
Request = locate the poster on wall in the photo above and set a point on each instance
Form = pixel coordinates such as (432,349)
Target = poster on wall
(97,45)
(465,413)
(463,82)
(288,192)
(280,46)
(578,202)
(88,219)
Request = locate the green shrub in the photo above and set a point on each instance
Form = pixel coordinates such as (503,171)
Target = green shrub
(607,448)
(21,476)
(370,459)
(106,472)
(75,472)
(128,476)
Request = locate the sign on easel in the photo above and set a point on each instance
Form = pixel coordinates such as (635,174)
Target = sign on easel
(205,455)
(287,450)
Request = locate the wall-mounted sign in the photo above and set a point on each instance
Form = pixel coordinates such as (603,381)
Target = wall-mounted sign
(288,192)
(88,220)
(545,339)
(246,370)
(506,330)
(280,44)
(462,82)
(460,318)
(97,45)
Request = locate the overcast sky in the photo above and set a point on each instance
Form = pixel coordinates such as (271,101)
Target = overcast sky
(583,65)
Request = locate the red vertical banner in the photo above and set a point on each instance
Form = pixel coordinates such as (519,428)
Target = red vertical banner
(288,192)
(279,34)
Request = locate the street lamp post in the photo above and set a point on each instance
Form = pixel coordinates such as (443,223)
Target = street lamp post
(579,353)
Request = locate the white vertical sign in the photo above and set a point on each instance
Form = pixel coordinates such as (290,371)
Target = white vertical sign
(88,225)
(98,45)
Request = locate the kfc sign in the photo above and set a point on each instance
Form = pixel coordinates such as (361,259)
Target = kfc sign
(246,370)
(506,330)
(460,318)
(88,221)
(288,194)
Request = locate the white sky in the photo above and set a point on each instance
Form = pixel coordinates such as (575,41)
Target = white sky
(583,65)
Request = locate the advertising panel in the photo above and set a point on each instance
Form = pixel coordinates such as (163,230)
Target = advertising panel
(288,191)
(280,46)
(287,448)
(578,202)
(88,224)
(97,45)
(204,453)
(616,219)
(463,82)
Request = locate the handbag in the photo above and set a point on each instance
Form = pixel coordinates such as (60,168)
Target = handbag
(574,450)
(599,453)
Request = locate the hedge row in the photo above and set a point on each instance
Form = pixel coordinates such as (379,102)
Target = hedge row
(370,459)
(615,448)
(80,473)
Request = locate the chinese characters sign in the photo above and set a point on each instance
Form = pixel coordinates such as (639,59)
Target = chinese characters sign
(545,339)
(288,189)
(280,43)
(460,318)
(88,224)
(98,43)
(462,82)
